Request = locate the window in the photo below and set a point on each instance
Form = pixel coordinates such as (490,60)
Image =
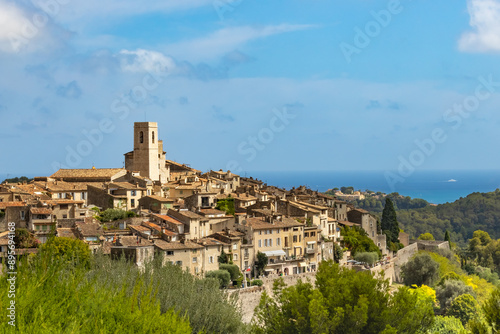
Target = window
(153,137)
(180,192)
(373,234)
(246,264)
(132,193)
(270,231)
(300,237)
(278,242)
(235,257)
(59,195)
(132,202)
(265,242)
(195,259)
(294,238)
(65,216)
(44,227)
(23,216)
(179,263)
(235,246)
(270,242)
(196,269)
(306,235)
(141,137)
(260,243)
(73,195)
(84,195)
(260,232)
(211,259)
(170,253)
(313,234)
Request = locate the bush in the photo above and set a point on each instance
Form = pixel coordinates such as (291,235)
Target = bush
(257,282)
(421,269)
(367,257)
(222,275)
(233,270)
(450,290)
(67,250)
(464,307)
(109,215)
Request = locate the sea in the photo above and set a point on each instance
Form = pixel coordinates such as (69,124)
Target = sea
(437,187)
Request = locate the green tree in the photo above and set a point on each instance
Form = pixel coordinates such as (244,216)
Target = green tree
(223,276)
(491,311)
(463,307)
(367,257)
(447,237)
(67,249)
(420,269)
(449,290)
(338,253)
(447,325)
(426,236)
(356,240)
(342,301)
(233,270)
(223,258)
(261,263)
(389,223)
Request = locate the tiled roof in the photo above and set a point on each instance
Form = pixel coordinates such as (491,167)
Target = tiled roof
(66,233)
(86,173)
(190,214)
(260,224)
(125,185)
(163,245)
(4,205)
(89,230)
(139,228)
(41,211)
(169,219)
(152,226)
(211,242)
(212,212)
(160,199)
(62,186)
(62,201)
(133,241)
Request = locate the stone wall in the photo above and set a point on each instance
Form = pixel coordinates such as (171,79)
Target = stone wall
(248,298)
(401,258)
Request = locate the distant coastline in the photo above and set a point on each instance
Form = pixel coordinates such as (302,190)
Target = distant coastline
(435,187)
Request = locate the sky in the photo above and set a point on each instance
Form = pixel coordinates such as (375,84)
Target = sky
(251,85)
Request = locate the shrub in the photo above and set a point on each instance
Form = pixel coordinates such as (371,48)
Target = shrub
(367,257)
(233,270)
(450,290)
(464,307)
(222,275)
(257,282)
(421,269)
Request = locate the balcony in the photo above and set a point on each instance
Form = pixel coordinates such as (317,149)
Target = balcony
(310,250)
(246,256)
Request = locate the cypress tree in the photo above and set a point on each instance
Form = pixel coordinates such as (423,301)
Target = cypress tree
(447,236)
(390,226)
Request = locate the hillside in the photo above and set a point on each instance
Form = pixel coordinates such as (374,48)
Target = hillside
(477,211)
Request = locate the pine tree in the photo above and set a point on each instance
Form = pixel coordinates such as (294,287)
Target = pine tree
(390,226)
(447,237)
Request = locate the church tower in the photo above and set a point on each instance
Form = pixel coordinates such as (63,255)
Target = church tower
(146,155)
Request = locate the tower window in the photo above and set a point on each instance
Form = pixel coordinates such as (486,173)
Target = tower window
(153,137)
(141,137)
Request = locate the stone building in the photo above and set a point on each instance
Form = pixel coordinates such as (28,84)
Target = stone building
(148,157)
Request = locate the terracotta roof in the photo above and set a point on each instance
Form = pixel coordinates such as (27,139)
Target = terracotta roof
(152,226)
(62,201)
(260,224)
(89,230)
(86,173)
(133,241)
(160,199)
(211,242)
(169,219)
(212,212)
(59,186)
(190,214)
(41,211)
(4,205)
(139,228)
(346,223)
(66,233)
(125,185)
(163,245)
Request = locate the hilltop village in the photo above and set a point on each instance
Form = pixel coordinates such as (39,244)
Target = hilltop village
(188,216)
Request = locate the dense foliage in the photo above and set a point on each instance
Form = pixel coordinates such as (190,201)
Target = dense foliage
(223,276)
(58,296)
(25,239)
(17,180)
(419,270)
(226,205)
(356,240)
(110,215)
(342,301)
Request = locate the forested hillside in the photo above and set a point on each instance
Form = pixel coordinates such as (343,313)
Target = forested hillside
(477,211)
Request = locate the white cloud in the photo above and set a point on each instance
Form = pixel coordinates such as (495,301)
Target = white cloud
(485,21)
(12,26)
(142,60)
(226,40)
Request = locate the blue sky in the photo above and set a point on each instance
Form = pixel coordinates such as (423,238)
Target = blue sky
(247,85)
